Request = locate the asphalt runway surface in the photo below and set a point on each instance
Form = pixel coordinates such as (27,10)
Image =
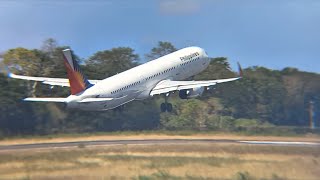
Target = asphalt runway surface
(148,142)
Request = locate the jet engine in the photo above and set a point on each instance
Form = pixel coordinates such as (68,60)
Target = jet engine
(191,93)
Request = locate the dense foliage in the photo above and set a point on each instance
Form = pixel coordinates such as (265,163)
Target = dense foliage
(263,98)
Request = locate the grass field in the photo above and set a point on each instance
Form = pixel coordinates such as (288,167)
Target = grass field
(172,161)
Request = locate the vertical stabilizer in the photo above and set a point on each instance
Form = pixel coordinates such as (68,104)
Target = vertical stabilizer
(78,82)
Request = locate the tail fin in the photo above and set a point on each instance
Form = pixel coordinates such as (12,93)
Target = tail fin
(78,82)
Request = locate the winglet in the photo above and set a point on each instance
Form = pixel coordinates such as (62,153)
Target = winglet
(240,72)
(7,71)
(12,75)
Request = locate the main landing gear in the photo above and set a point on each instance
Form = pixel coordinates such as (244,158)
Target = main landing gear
(166,107)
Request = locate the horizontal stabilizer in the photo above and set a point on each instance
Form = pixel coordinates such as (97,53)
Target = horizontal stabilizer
(46,99)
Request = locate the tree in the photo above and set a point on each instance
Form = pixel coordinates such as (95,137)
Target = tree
(15,116)
(262,96)
(23,61)
(188,114)
(26,62)
(49,45)
(110,62)
(162,49)
(218,68)
(259,95)
(301,87)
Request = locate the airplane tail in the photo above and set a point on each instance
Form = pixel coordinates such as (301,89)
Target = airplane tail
(78,82)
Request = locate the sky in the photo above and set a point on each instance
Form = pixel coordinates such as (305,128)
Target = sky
(271,33)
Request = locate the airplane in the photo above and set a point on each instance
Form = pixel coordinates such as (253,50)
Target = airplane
(161,76)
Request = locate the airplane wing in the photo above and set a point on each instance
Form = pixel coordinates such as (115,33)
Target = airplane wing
(168,85)
(46,80)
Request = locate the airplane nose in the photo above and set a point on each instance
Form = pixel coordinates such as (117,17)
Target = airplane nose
(205,53)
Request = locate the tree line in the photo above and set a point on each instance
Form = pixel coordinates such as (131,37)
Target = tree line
(262,98)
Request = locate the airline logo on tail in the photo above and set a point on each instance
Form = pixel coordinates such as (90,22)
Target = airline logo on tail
(78,82)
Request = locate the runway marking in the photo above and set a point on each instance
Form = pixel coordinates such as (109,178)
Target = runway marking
(282,143)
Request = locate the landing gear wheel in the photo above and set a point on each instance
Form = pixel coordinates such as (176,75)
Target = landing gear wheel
(163,107)
(166,107)
(169,107)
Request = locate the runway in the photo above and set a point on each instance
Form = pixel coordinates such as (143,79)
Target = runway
(148,142)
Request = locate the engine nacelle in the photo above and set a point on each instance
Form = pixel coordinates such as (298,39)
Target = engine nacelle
(191,93)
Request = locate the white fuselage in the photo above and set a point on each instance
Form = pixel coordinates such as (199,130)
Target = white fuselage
(137,83)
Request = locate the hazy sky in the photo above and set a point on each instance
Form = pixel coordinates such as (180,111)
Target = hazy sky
(271,33)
